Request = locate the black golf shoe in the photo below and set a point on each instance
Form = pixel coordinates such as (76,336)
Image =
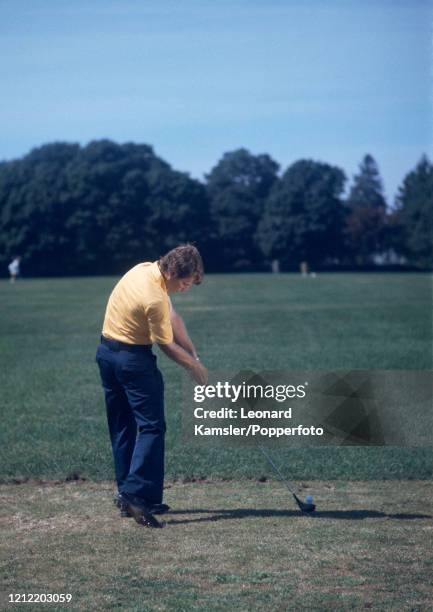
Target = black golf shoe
(117,500)
(124,513)
(139,510)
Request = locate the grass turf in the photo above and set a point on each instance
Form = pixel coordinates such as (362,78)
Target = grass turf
(53,411)
(227,545)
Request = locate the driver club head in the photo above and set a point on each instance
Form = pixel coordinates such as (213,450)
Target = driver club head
(304,506)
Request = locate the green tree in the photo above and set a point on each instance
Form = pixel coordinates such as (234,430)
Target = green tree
(238,187)
(413,216)
(367,188)
(366,222)
(34,206)
(96,209)
(303,217)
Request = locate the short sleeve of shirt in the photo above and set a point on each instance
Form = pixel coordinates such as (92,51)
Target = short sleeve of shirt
(158,316)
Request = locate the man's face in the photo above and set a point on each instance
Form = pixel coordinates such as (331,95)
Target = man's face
(179,285)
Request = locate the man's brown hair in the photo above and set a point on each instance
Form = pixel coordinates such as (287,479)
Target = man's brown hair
(182,262)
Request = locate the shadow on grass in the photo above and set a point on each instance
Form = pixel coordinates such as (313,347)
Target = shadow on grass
(241,513)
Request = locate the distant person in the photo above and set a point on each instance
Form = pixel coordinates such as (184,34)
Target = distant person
(14,268)
(303,267)
(139,314)
(275,266)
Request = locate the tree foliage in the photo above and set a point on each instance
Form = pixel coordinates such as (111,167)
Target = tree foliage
(366,223)
(238,187)
(97,209)
(414,215)
(303,217)
(367,188)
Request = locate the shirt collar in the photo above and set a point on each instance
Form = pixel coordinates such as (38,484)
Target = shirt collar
(157,275)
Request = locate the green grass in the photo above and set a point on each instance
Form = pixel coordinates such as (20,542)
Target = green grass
(227,545)
(231,542)
(53,411)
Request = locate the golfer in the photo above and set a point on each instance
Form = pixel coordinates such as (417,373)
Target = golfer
(139,314)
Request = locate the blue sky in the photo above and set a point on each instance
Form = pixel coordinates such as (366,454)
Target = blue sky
(324,79)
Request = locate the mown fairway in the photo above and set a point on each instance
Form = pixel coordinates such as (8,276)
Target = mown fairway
(54,420)
(235,540)
(226,546)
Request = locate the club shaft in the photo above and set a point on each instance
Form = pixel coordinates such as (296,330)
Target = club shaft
(289,485)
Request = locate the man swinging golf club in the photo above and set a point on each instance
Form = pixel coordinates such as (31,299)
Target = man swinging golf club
(138,314)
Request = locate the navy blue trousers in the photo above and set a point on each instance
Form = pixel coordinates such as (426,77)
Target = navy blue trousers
(134,398)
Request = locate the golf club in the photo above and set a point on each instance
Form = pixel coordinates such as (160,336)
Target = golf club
(303,506)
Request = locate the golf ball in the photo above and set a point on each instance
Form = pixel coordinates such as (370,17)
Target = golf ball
(309,499)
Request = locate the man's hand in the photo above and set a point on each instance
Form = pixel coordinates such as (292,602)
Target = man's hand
(199,373)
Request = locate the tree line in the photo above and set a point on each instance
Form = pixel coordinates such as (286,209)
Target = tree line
(98,209)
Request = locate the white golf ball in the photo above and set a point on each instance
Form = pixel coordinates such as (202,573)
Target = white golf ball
(309,499)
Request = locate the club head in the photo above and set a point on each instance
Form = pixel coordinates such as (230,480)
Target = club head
(303,506)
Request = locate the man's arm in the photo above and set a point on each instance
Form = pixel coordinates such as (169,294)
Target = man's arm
(180,333)
(175,352)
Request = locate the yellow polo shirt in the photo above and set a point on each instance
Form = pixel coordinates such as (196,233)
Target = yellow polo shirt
(138,310)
